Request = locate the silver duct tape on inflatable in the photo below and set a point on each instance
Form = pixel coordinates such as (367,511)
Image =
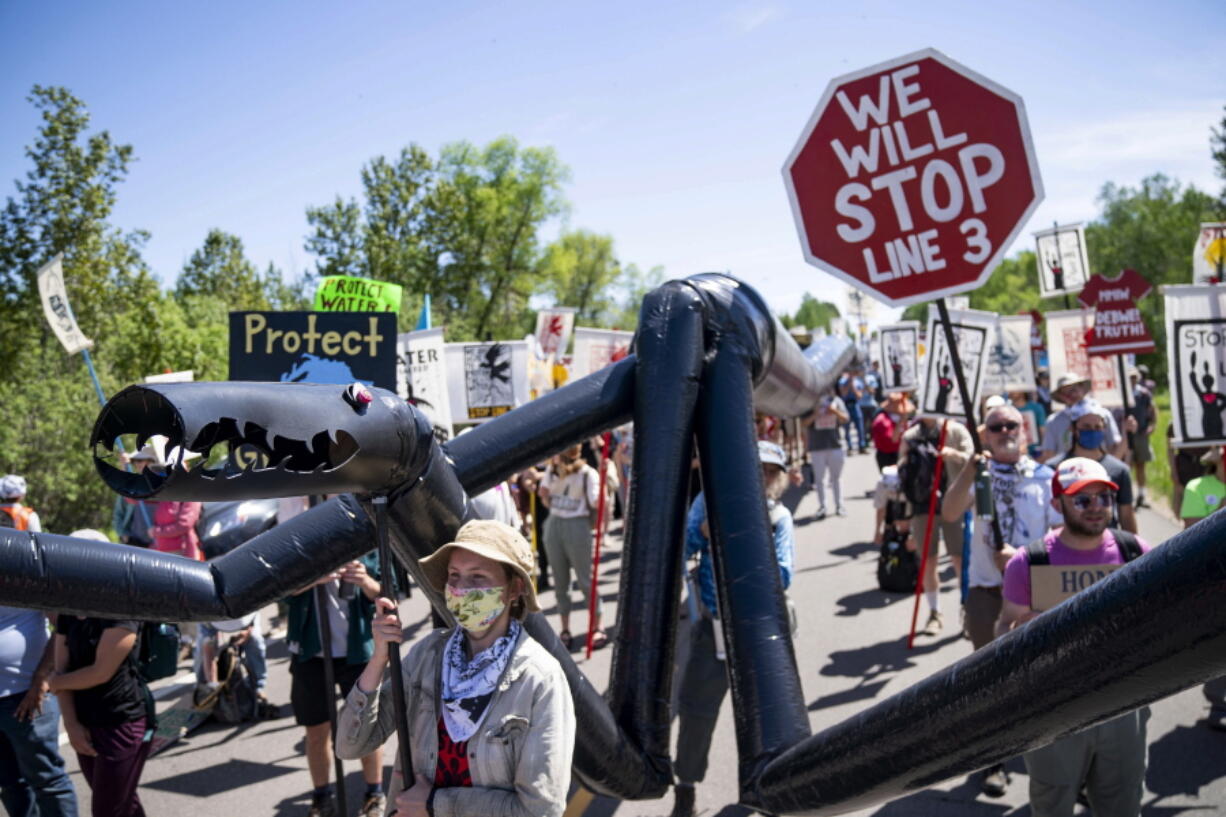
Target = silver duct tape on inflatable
(796,379)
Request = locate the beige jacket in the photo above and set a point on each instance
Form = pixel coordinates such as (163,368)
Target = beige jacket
(520,756)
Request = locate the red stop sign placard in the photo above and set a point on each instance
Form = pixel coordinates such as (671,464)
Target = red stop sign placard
(912,178)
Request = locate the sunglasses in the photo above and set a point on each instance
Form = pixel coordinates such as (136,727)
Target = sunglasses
(1008,425)
(1083,502)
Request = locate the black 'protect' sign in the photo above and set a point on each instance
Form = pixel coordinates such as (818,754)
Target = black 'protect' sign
(314,347)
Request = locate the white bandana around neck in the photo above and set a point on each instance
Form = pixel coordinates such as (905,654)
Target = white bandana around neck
(469,685)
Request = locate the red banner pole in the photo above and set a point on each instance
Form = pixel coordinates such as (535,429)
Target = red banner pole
(932,512)
(600,509)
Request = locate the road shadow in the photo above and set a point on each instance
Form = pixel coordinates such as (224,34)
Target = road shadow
(962,800)
(793,495)
(826,566)
(873,599)
(855,550)
(1182,762)
(297,805)
(875,660)
(860,692)
(217,778)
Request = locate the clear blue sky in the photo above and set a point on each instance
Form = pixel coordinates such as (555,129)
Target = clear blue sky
(675,118)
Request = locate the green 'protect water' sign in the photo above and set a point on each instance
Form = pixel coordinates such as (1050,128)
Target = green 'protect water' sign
(347,293)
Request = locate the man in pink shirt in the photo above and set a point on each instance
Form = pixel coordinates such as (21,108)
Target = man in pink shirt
(1108,760)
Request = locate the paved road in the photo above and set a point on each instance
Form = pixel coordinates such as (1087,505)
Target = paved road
(851,650)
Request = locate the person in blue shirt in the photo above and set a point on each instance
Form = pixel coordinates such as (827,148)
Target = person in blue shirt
(704,680)
(32,775)
(854,392)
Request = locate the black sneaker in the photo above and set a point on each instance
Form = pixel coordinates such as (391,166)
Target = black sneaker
(995,780)
(323,808)
(683,800)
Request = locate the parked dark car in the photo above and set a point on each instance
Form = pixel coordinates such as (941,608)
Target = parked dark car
(224,526)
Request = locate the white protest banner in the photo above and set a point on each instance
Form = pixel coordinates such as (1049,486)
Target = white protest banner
(421,376)
(939,394)
(486,380)
(540,369)
(1209,253)
(1066,352)
(172,377)
(1196,357)
(1060,254)
(597,348)
(1010,366)
(899,344)
(55,306)
(553,330)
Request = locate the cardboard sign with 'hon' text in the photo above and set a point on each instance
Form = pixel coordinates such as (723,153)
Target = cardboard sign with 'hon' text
(1052,584)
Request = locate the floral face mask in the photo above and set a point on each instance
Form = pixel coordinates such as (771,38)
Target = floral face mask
(475,608)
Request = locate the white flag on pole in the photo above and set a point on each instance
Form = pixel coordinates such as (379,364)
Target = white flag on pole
(55,306)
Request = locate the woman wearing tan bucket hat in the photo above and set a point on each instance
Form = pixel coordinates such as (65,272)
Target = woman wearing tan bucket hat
(491,721)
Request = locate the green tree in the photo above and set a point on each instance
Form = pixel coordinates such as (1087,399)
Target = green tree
(462,227)
(490,203)
(337,238)
(631,288)
(812,314)
(1217,149)
(220,268)
(580,269)
(1150,229)
(63,205)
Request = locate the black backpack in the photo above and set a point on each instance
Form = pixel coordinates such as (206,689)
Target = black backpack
(157,653)
(918,471)
(237,700)
(897,567)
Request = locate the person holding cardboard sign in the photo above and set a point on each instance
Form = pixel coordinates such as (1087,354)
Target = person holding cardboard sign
(1108,760)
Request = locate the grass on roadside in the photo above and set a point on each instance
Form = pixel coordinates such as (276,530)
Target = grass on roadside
(1158,473)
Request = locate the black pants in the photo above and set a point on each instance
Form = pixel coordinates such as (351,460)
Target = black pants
(704,683)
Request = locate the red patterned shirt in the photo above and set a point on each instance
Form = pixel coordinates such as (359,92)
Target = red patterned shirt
(452,770)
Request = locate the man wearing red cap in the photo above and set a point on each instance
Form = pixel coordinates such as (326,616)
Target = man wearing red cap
(1108,760)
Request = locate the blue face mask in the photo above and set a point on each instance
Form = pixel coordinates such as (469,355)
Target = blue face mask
(1091,439)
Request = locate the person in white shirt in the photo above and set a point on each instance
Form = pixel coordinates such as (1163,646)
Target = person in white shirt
(571,490)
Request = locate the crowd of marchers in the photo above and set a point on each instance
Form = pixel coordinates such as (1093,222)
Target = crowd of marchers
(1054,485)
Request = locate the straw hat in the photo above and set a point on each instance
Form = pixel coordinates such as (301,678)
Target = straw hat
(1071,379)
(493,540)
